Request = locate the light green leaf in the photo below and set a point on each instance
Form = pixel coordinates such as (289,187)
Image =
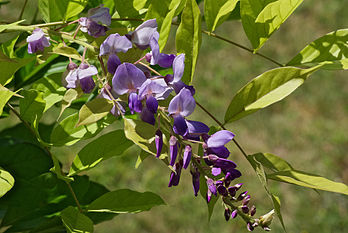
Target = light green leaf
(272,162)
(32,106)
(331,49)
(5,96)
(261,18)
(7,48)
(74,8)
(143,135)
(67,52)
(189,37)
(125,201)
(143,155)
(62,10)
(126,9)
(69,96)
(9,66)
(266,89)
(94,111)
(217,11)
(158,9)
(51,87)
(66,132)
(104,147)
(309,180)
(167,22)
(6,182)
(6,26)
(140,4)
(76,222)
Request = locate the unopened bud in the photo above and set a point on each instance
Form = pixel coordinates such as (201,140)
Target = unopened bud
(246,200)
(234,213)
(250,226)
(242,196)
(253,210)
(71,66)
(266,220)
(245,209)
(227,214)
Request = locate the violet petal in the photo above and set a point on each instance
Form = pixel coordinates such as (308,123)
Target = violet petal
(220,138)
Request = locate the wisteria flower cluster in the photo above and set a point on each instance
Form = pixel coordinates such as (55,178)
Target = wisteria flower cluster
(145,89)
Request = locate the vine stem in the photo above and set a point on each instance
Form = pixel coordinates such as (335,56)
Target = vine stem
(222,126)
(22,11)
(26,124)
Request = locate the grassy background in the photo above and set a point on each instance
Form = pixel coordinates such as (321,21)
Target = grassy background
(308,129)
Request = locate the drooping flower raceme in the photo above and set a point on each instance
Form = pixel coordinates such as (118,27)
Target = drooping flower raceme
(37,41)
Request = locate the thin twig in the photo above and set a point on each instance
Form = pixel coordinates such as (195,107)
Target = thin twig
(154,71)
(74,196)
(22,11)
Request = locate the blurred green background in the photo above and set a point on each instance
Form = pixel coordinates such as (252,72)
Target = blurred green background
(309,129)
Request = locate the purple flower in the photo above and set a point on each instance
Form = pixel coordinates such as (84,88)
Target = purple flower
(234,213)
(253,210)
(219,138)
(227,214)
(178,67)
(37,41)
(195,181)
(187,156)
(175,176)
(146,115)
(95,21)
(221,163)
(215,171)
(196,129)
(179,107)
(82,77)
(173,149)
(155,57)
(143,33)
(127,79)
(150,90)
(104,94)
(158,142)
(211,189)
(113,63)
(134,104)
(114,44)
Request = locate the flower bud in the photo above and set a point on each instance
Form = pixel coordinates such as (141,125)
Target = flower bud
(187,156)
(71,66)
(227,214)
(252,210)
(246,200)
(250,226)
(159,142)
(234,213)
(245,209)
(266,220)
(242,196)
(173,149)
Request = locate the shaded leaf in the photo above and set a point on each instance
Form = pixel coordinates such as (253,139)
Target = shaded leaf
(32,106)
(143,155)
(6,182)
(331,49)
(66,132)
(5,96)
(58,170)
(125,201)
(261,18)
(74,221)
(93,111)
(217,11)
(9,66)
(189,38)
(266,89)
(272,162)
(69,96)
(62,10)
(104,147)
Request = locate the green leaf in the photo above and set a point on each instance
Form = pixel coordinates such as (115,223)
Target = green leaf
(143,135)
(69,96)
(6,182)
(126,9)
(173,8)
(62,10)
(66,132)
(266,89)
(9,66)
(261,18)
(143,155)
(58,171)
(6,26)
(67,52)
(217,11)
(125,201)
(104,147)
(51,87)
(309,180)
(140,4)
(74,221)
(272,162)
(32,106)
(93,111)
(158,9)
(331,49)
(258,168)
(7,48)
(5,96)
(189,38)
